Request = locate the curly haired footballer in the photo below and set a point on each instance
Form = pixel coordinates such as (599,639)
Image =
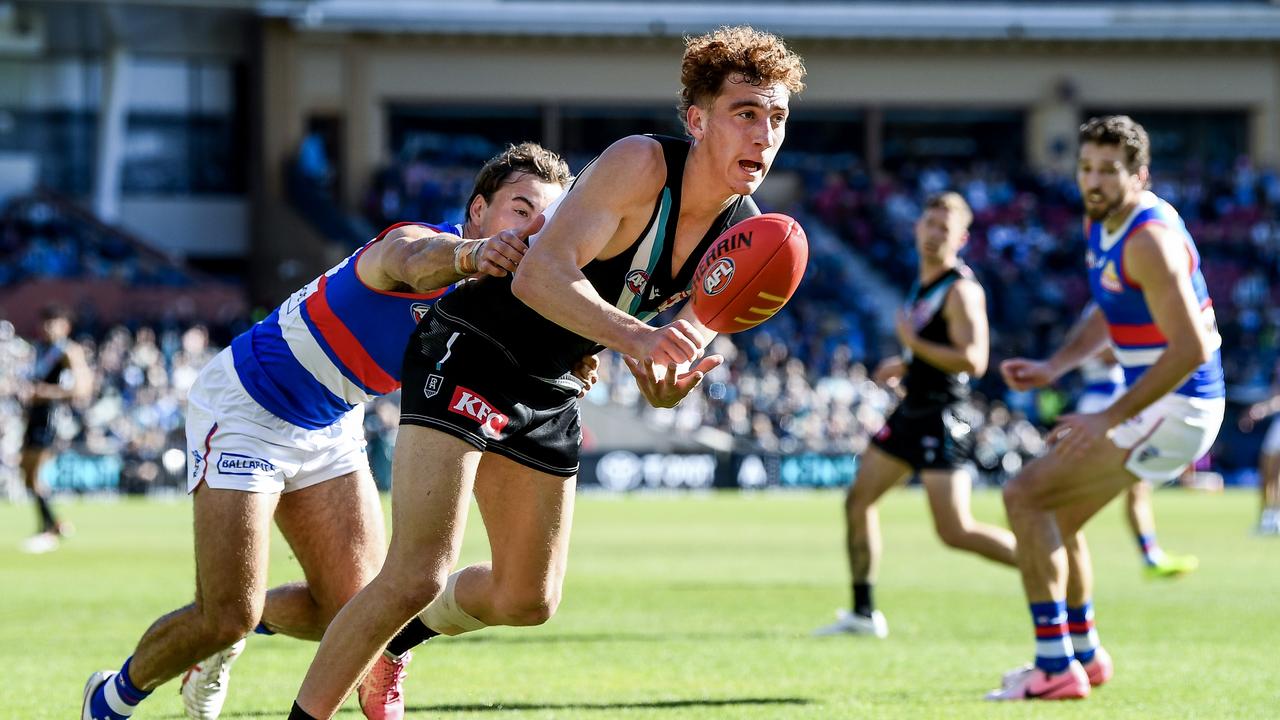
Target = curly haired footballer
(738,54)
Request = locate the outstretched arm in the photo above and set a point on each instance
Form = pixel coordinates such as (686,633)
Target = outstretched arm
(417,257)
(1086,338)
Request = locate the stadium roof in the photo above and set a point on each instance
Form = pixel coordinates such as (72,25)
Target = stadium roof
(1149,21)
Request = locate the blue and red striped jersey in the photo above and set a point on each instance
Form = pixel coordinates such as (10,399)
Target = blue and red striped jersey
(334,343)
(1137,341)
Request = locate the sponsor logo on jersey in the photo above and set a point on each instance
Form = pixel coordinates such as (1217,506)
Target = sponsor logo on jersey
(466,402)
(718,277)
(419,311)
(637,280)
(237,464)
(1110,279)
(432,388)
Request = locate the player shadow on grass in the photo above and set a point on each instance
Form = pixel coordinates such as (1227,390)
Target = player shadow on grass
(523,707)
(534,638)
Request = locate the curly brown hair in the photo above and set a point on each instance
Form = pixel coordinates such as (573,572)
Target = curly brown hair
(1123,131)
(760,58)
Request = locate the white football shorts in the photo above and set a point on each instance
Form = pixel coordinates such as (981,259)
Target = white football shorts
(1169,435)
(235,444)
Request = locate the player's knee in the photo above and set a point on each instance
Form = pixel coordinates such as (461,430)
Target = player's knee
(953,534)
(1017,495)
(525,609)
(227,624)
(856,507)
(412,594)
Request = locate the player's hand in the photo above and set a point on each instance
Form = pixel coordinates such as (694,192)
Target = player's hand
(905,329)
(1076,436)
(673,344)
(588,371)
(889,372)
(501,254)
(667,389)
(1255,414)
(1024,374)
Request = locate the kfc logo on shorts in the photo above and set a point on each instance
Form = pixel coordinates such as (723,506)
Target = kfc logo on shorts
(466,402)
(432,387)
(718,277)
(637,280)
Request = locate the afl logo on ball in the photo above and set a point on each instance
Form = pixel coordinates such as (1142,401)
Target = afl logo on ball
(718,277)
(637,280)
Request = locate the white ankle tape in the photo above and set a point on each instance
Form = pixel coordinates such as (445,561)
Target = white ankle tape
(445,616)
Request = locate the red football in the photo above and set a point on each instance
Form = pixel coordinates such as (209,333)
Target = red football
(749,272)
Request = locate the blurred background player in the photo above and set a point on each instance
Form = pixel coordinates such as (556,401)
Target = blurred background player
(489,406)
(59,376)
(1103,379)
(1268,459)
(945,342)
(275,427)
(1144,275)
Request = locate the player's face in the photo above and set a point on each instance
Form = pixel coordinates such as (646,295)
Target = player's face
(55,329)
(514,204)
(939,234)
(744,128)
(1106,185)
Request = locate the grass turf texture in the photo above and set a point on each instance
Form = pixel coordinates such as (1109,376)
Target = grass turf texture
(698,607)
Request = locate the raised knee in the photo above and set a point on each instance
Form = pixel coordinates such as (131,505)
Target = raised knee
(529,609)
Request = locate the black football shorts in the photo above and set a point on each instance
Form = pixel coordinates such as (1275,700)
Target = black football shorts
(458,381)
(930,437)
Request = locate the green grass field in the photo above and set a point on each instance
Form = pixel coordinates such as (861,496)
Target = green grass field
(698,607)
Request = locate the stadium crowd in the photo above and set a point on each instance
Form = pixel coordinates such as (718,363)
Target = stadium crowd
(800,382)
(44,238)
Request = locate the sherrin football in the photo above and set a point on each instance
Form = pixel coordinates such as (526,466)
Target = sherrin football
(749,272)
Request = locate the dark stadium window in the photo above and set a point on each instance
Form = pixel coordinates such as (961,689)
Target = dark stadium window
(953,136)
(1214,139)
(585,131)
(183,155)
(464,134)
(64,140)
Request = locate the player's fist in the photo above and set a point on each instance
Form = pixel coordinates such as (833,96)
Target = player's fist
(889,372)
(671,345)
(1024,374)
(501,254)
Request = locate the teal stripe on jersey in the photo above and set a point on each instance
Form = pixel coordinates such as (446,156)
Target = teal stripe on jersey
(646,256)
